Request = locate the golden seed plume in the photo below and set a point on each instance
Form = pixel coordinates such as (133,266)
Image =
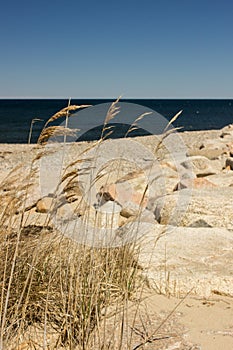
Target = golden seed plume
(53,131)
(63,112)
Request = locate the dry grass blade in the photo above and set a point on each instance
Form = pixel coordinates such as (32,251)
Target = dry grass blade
(63,112)
(107,135)
(153,336)
(173,119)
(164,136)
(112,112)
(134,125)
(77,161)
(141,117)
(42,154)
(72,174)
(53,131)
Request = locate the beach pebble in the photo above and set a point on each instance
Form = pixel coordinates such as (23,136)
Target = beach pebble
(45,205)
(229,163)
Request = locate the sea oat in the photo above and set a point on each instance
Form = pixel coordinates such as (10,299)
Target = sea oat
(173,119)
(112,112)
(53,131)
(63,112)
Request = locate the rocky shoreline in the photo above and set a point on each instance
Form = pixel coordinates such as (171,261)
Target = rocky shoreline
(186,214)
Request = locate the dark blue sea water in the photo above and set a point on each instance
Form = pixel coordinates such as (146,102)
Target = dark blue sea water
(16,115)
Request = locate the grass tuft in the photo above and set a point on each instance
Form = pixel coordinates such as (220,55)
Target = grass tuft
(54,292)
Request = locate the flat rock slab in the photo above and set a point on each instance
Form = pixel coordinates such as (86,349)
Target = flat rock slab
(225,179)
(182,259)
(184,207)
(208,153)
(203,166)
(195,139)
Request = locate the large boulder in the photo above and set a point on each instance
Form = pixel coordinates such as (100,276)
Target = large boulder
(202,166)
(213,205)
(209,153)
(224,179)
(197,183)
(133,190)
(227,128)
(227,133)
(198,139)
(130,193)
(178,260)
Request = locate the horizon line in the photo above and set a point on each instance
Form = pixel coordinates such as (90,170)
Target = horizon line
(111,98)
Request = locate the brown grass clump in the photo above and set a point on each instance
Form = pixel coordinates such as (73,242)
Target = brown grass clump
(14,191)
(57,284)
(49,283)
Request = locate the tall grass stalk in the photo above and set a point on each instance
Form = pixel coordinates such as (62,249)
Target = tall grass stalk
(56,293)
(54,287)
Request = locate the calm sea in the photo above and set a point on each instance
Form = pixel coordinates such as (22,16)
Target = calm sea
(16,115)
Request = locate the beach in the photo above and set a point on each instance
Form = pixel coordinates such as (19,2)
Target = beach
(188,212)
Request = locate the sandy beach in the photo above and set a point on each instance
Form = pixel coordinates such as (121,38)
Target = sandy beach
(198,314)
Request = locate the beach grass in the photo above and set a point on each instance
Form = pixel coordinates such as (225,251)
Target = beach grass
(57,293)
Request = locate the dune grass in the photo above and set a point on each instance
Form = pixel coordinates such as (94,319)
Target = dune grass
(56,293)
(54,284)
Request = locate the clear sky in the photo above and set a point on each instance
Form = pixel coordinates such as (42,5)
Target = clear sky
(100,48)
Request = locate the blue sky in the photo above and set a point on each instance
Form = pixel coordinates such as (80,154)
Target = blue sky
(100,49)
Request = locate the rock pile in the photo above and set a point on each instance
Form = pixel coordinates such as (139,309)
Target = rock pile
(181,207)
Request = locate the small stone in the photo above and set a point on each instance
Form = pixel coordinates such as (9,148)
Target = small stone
(45,205)
(199,223)
(229,163)
(108,215)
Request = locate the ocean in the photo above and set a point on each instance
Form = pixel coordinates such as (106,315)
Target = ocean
(16,116)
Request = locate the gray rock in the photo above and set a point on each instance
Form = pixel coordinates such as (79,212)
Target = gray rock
(134,190)
(224,179)
(199,182)
(216,144)
(202,166)
(181,260)
(200,223)
(182,208)
(197,139)
(208,153)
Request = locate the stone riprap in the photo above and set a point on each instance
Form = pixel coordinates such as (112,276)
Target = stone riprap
(175,196)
